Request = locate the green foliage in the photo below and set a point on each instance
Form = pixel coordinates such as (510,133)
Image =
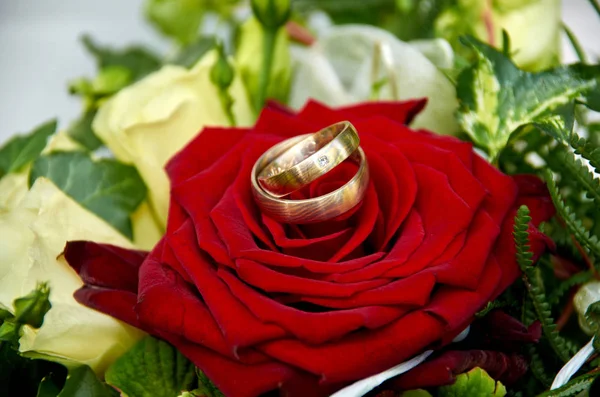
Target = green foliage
(19,375)
(575,43)
(415,393)
(31,308)
(263,59)
(496,98)
(272,14)
(22,150)
(221,75)
(572,388)
(574,225)
(582,175)
(476,383)
(190,54)
(27,310)
(180,20)
(117,68)
(537,366)
(82,382)
(205,387)
(565,286)
(588,150)
(108,188)
(81,131)
(562,347)
(139,61)
(152,368)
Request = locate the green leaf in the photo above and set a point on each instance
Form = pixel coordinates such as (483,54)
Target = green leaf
(561,346)
(82,382)
(108,188)
(496,98)
(572,388)
(9,332)
(574,224)
(48,388)
(189,55)
(152,368)
(582,174)
(31,308)
(81,131)
(21,150)
(475,383)
(179,19)
(205,387)
(138,60)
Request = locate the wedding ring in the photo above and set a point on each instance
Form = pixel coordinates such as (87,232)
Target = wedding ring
(308,159)
(311,210)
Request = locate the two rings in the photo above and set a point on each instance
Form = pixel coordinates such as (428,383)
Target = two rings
(299,161)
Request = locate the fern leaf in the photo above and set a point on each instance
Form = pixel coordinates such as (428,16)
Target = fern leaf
(563,348)
(537,367)
(565,286)
(574,225)
(572,388)
(582,174)
(587,150)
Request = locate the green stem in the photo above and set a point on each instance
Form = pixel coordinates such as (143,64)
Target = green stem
(575,43)
(227,104)
(270,38)
(596,6)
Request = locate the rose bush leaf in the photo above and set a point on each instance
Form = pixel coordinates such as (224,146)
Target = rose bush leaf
(179,19)
(108,188)
(475,383)
(82,382)
(23,149)
(139,60)
(189,55)
(152,368)
(81,131)
(497,98)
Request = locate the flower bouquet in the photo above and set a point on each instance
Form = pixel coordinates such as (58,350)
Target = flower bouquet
(312,198)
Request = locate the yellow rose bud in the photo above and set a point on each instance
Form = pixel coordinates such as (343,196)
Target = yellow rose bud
(534,29)
(148,122)
(588,293)
(272,14)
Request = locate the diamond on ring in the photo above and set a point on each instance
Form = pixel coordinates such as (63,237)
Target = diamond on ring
(323,161)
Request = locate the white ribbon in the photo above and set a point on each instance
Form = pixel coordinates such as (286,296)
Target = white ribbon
(573,365)
(362,387)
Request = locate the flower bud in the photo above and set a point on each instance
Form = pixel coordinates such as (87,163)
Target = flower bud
(222,73)
(588,294)
(32,308)
(272,14)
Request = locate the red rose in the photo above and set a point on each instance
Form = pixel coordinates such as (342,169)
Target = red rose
(259,305)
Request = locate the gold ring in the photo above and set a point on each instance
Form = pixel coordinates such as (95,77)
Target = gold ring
(316,209)
(309,159)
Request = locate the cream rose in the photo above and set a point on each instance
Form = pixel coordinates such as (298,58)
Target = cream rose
(586,295)
(534,27)
(14,186)
(339,69)
(147,123)
(34,234)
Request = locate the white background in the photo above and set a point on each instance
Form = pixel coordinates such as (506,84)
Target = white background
(40,51)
